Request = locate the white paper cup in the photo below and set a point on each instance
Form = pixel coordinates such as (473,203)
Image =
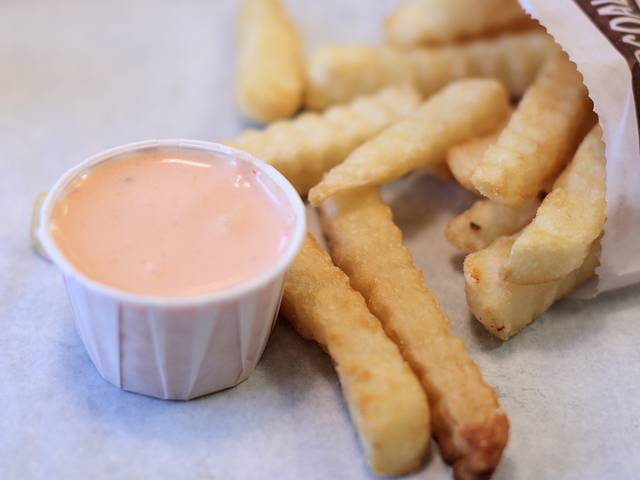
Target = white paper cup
(183,347)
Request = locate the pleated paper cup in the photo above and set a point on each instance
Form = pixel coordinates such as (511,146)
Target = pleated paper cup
(182,347)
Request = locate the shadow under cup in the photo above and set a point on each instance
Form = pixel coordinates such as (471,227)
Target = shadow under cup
(175,347)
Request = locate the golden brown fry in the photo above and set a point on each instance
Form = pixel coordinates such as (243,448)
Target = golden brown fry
(540,137)
(422,22)
(570,218)
(463,159)
(487,220)
(269,73)
(505,308)
(337,74)
(35,224)
(463,110)
(468,423)
(304,148)
(384,397)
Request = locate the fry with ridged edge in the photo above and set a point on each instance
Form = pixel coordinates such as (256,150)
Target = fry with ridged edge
(270,69)
(486,220)
(568,221)
(468,423)
(422,22)
(304,148)
(504,308)
(385,399)
(463,159)
(463,110)
(540,138)
(336,74)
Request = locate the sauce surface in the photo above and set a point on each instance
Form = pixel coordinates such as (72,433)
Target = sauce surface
(172,223)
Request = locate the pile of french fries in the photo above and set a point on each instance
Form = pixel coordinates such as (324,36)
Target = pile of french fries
(473,91)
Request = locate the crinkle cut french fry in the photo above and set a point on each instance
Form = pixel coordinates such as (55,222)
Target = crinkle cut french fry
(540,137)
(463,110)
(505,308)
(336,74)
(270,70)
(304,148)
(385,399)
(422,22)
(487,220)
(463,159)
(513,58)
(570,218)
(468,423)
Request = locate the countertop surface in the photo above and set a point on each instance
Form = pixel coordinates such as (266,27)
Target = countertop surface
(79,76)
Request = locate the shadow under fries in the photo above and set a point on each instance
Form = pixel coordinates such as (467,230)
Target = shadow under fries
(457,261)
(419,198)
(293,363)
(422,206)
(483,338)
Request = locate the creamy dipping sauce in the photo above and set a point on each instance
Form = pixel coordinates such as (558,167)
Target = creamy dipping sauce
(173,222)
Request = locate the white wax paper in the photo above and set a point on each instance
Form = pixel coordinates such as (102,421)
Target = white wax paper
(78,76)
(608,78)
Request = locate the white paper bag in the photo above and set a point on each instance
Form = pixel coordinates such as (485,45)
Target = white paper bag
(603,38)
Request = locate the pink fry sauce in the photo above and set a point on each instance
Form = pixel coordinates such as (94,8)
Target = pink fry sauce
(172,222)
